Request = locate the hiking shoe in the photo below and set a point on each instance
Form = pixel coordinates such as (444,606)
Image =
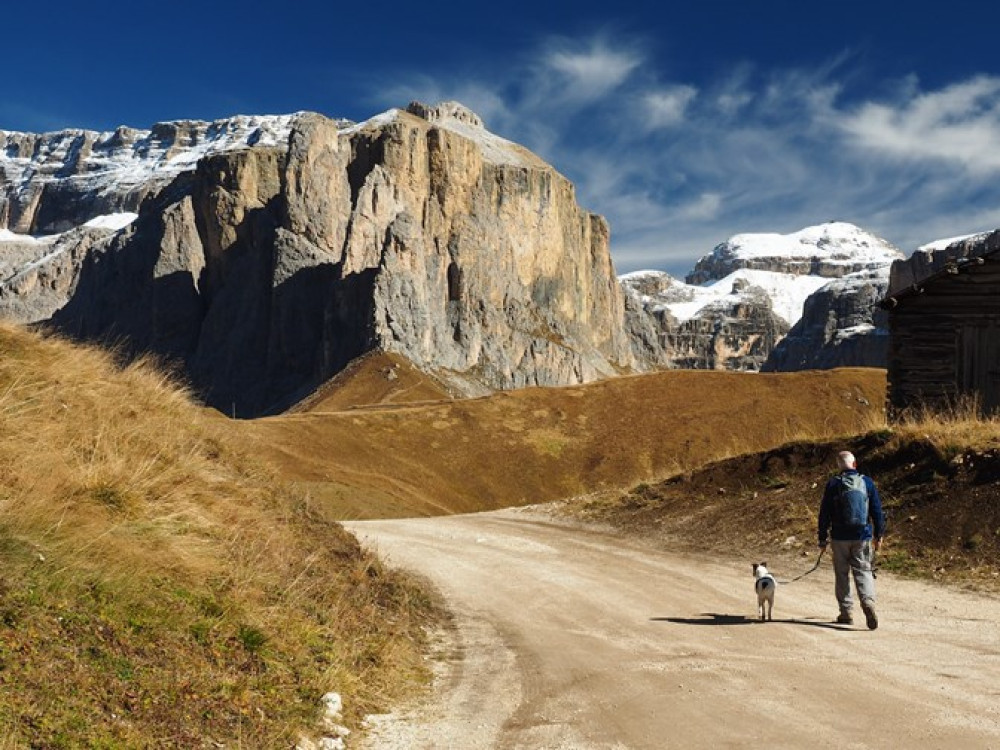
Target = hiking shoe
(870,617)
(844,618)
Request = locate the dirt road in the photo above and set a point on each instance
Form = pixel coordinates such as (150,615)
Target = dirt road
(570,637)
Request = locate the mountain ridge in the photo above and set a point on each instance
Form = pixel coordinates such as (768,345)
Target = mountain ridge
(741,302)
(264,268)
(190,200)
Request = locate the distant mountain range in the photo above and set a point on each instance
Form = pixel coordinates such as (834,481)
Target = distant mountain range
(263,254)
(769,301)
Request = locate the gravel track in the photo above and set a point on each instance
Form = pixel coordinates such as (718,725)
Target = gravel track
(569,636)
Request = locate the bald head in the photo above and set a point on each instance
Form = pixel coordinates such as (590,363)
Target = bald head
(846,460)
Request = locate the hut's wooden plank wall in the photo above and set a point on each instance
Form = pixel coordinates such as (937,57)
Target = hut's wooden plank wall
(944,342)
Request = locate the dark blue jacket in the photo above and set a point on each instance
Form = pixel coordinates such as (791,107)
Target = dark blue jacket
(850,534)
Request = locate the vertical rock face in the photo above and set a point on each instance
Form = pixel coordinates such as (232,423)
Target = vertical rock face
(277,260)
(490,265)
(841,326)
(732,326)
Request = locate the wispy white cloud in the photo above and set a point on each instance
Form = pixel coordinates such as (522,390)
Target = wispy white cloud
(959,124)
(588,71)
(705,206)
(666,107)
(680,165)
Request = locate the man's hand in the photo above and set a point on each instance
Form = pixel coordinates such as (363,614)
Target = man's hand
(877,544)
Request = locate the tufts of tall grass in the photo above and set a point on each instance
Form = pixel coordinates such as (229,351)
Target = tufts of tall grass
(157,587)
(951,430)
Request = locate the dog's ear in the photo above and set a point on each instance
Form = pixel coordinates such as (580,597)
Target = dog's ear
(754,566)
(763,564)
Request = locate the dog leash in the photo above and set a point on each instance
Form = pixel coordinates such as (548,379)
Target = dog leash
(811,570)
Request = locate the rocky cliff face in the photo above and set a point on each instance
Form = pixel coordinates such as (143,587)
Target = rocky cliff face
(268,253)
(934,256)
(672,323)
(740,301)
(841,326)
(53,182)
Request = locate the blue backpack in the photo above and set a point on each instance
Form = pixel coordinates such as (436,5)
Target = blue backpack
(851,505)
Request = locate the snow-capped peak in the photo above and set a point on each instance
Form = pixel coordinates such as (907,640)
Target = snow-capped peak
(937,245)
(835,240)
(127,156)
(113,171)
(784,268)
(831,249)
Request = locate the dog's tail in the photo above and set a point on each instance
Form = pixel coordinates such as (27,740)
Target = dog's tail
(765,583)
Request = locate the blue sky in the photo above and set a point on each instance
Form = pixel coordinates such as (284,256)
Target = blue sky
(683,123)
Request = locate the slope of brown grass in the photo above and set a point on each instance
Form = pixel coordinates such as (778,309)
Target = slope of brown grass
(542,444)
(157,589)
(939,481)
(375,378)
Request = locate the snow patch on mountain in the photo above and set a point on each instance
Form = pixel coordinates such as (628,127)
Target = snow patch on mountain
(8,236)
(114,221)
(458,119)
(835,242)
(377,121)
(931,247)
(786,292)
(851,331)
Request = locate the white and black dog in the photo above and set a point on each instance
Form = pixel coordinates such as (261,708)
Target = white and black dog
(765,585)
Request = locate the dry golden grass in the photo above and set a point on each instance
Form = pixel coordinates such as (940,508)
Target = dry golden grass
(938,474)
(543,444)
(374,378)
(157,588)
(951,431)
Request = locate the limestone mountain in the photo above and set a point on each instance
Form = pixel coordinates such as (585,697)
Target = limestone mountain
(729,325)
(742,307)
(841,326)
(829,250)
(264,254)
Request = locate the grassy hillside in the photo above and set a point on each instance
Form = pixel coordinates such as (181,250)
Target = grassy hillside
(939,479)
(374,378)
(543,444)
(157,588)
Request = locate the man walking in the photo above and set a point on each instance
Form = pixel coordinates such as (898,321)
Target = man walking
(850,501)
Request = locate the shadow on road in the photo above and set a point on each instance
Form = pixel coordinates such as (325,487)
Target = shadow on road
(707,618)
(714,618)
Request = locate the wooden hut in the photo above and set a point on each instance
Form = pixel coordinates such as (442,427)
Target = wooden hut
(944,328)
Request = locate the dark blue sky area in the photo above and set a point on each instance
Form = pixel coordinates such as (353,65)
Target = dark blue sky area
(84,65)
